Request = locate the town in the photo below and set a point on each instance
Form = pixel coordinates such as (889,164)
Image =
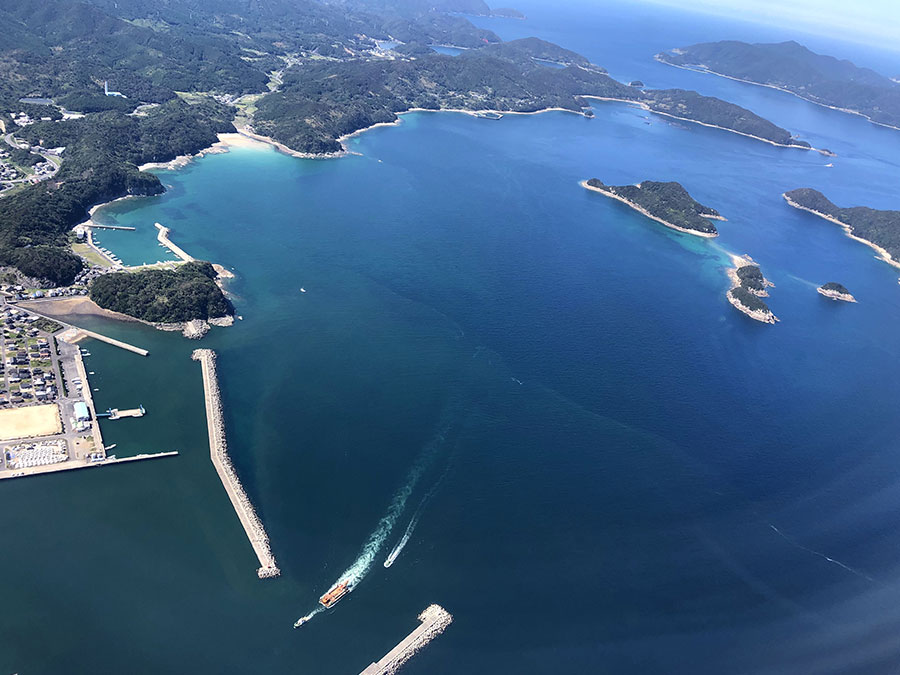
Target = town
(48,421)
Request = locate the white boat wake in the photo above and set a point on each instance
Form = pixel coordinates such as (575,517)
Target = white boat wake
(363,563)
(392,556)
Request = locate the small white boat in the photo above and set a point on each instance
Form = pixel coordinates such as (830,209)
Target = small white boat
(303,290)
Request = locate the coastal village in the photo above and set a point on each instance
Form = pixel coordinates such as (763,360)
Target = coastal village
(48,421)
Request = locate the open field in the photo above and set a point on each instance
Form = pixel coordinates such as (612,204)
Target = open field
(31,421)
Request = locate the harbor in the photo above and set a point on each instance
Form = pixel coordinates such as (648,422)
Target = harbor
(50,422)
(218,450)
(434,620)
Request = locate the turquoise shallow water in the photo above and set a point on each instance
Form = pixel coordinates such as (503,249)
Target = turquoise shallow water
(617,472)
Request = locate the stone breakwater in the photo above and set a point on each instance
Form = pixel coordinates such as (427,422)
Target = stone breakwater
(433,622)
(218,450)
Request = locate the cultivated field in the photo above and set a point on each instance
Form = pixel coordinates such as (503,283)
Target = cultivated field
(39,420)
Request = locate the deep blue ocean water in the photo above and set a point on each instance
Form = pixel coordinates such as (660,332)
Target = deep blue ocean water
(609,468)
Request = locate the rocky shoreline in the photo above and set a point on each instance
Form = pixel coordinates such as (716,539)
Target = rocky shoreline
(740,293)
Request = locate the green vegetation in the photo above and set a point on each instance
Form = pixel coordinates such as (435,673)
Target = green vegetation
(791,66)
(749,300)
(102,151)
(669,202)
(222,55)
(751,278)
(47,325)
(323,100)
(881,228)
(715,111)
(835,287)
(164,296)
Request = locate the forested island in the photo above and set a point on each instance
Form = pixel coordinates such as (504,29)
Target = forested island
(162,295)
(303,73)
(835,291)
(748,287)
(666,203)
(878,229)
(794,68)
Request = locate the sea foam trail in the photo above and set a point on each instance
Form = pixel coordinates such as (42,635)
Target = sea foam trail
(355,573)
(392,556)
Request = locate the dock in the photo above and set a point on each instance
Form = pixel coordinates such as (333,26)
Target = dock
(74,466)
(163,237)
(74,335)
(96,226)
(434,620)
(218,450)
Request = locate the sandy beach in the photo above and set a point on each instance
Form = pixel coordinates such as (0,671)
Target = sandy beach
(640,209)
(63,308)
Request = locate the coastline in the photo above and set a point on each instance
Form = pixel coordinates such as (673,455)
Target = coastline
(739,261)
(697,69)
(883,255)
(63,309)
(836,295)
(640,209)
(646,107)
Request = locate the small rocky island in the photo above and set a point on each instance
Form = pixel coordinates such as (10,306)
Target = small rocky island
(748,285)
(666,203)
(836,291)
(879,230)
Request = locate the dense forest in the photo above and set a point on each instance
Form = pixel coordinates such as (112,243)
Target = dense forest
(791,66)
(314,68)
(751,278)
(882,228)
(668,201)
(101,158)
(163,296)
(321,101)
(715,111)
(749,300)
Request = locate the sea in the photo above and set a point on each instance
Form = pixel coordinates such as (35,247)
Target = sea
(535,401)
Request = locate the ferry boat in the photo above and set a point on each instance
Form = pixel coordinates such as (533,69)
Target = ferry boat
(330,599)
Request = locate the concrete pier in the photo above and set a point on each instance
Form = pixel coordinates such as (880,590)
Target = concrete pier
(81,334)
(163,237)
(434,620)
(218,450)
(72,465)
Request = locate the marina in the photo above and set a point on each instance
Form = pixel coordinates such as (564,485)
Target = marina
(218,450)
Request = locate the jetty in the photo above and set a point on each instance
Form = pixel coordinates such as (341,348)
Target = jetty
(75,335)
(87,464)
(218,450)
(97,226)
(433,622)
(163,237)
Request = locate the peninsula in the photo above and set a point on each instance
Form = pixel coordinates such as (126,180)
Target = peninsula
(666,203)
(879,230)
(748,285)
(835,291)
(183,294)
(793,68)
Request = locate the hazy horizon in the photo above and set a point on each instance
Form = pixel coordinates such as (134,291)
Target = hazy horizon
(874,22)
